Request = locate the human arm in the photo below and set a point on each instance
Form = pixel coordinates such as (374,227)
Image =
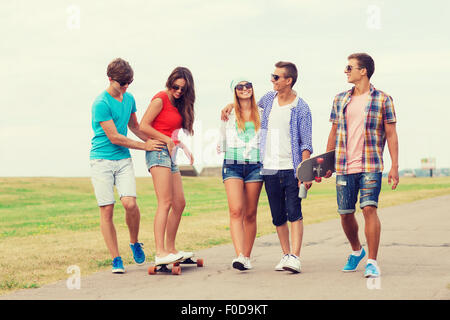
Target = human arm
(146,127)
(305,129)
(331,145)
(392,142)
(187,152)
(226,112)
(118,139)
(133,125)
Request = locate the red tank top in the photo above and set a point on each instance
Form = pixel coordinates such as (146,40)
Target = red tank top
(169,119)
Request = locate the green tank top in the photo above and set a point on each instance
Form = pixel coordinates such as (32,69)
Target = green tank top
(241,154)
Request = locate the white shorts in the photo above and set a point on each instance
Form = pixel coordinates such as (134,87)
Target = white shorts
(105,174)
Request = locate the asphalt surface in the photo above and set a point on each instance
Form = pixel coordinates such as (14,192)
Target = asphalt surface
(414,257)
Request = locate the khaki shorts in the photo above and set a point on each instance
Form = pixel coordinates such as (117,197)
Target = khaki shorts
(105,174)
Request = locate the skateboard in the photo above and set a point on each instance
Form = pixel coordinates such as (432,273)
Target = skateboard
(198,262)
(316,167)
(176,268)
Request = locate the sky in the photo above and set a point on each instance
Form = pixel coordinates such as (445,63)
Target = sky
(54,56)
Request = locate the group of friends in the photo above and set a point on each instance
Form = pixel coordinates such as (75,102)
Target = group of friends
(262,143)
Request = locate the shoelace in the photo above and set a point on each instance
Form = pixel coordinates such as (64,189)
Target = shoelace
(138,248)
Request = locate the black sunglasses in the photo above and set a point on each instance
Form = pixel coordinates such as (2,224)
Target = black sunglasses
(176,88)
(275,77)
(123,83)
(349,68)
(241,87)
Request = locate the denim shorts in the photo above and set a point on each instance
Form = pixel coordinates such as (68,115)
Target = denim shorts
(368,184)
(162,159)
(282,192)
(248,172)
(107,173)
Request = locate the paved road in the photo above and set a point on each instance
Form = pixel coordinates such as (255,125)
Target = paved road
(414,258)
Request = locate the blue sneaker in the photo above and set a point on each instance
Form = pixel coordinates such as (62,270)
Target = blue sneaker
(138,253)
(372,271)
(353,262)
(117,265)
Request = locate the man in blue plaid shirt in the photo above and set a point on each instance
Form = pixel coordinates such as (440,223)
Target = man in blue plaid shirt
(286,140)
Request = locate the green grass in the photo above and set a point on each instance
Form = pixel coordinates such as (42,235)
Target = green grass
(54,222)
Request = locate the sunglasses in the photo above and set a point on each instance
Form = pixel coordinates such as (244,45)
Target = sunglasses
(176,88)
(123,83)
(349,68)
(241,87)
(275,77)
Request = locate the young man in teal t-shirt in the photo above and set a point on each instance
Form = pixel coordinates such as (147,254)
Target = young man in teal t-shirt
(113,112)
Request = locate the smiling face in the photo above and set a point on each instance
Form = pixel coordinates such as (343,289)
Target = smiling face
(279,80)
(354,72)
(244,90)
(178,88)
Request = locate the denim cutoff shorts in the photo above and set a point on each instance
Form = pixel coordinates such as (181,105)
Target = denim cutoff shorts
(282,192)
(161,158)
(367,184)
(246,171)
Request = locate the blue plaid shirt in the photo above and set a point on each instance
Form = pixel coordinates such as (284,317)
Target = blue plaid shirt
(300,127)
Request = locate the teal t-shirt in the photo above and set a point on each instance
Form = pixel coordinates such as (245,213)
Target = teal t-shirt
(239,154)
(105,108)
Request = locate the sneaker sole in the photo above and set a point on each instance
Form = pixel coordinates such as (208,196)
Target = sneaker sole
(239,266)
(291,269)
(118,271)
(347,271)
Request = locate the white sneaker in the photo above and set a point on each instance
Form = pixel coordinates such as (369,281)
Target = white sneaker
(292,264)
(239,262)
(170,258)
(186,254)
(247,264)
(280,265)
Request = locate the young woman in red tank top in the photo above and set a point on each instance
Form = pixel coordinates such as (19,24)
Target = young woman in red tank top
(169,111)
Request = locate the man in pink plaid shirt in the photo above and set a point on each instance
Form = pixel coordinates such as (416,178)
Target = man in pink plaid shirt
(363,119)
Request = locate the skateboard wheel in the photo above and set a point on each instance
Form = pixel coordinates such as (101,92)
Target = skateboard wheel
(176,270)
(318,179)
(199,262)
(152,270)
(319,160)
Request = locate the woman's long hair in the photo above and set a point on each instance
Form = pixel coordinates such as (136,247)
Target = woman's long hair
(254,115)
(185,104)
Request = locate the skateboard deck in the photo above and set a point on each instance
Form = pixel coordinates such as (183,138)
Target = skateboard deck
(198,262)
(316,167)
(176,268)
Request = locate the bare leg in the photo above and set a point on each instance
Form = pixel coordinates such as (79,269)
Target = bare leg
(350,226)
(132,217)
(297,236)
(174,218)
(162,182)
(236,205)
(108,229)
(252,191)
(372,230)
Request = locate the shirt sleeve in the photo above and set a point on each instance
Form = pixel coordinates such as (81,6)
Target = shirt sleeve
(305,125)
(389,111)
(221,144)
(333,115)
(101,112)
(133,105)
